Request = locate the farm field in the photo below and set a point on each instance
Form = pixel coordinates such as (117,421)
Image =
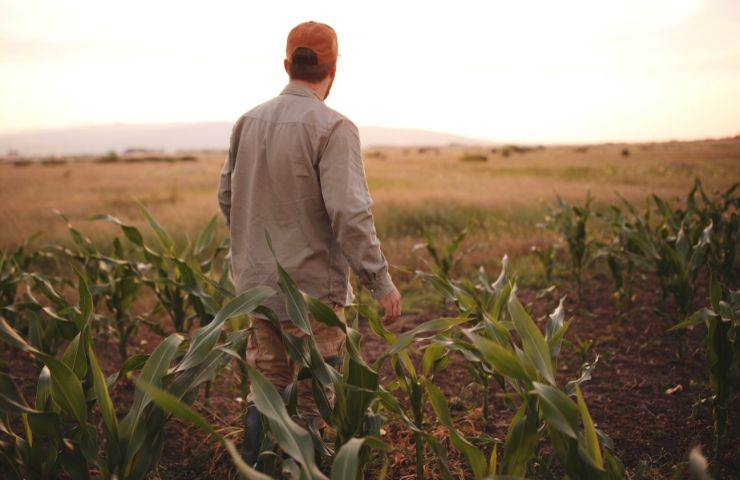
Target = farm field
(471,371)
(413,188)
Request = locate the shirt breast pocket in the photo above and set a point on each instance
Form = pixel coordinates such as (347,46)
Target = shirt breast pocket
(301,168)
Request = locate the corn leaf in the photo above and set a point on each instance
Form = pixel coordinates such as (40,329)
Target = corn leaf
(174,406)
(347,461)
(535,347)
(292,438)
(205,338)
(66,389)
(590,438)
(520,444)
(559,410)
(475,457)
(501,359)
(164,238)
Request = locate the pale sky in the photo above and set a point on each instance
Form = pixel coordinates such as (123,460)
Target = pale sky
(511,71)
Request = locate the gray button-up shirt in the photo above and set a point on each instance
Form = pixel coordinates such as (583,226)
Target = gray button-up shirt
(295,169)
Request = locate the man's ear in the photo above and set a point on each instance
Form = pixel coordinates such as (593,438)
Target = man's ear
(286,64)
(333,71)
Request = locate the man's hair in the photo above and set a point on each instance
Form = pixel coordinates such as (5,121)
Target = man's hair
(304,65)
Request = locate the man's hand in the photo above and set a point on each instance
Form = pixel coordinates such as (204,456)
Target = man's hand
(391,304)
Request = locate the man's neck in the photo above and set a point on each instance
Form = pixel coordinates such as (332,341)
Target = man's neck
(318,88)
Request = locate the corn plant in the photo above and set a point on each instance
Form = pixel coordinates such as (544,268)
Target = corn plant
(58,433)
(546,257)
(502,335)
(177,273)
(115,282)
(47,323)
(722,352)
(571,222)
(444,258)
(13,264)
(529,366)
(412,383)
(481,301)
(581,347)
(619,249)
(351,415)
(676,261)
(122,283)
(722,212)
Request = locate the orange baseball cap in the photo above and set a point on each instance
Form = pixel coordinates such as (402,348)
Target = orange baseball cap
(318,37)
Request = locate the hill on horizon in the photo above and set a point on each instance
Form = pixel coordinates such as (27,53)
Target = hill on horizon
(100,139)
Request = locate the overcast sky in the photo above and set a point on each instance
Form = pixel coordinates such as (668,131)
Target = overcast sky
(514,71)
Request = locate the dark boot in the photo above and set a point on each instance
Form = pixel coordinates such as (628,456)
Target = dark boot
(252,435)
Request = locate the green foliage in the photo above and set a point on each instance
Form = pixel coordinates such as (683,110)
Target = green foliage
(178,273)
(677,243)
(116,282)
(582,347)
(571,222)
(619,249)
(722,351)
(13,265)
(547,258)
(443,258)
(720,211)
(502,338)
(675,250)
(58,431)
(354,386)
(509,355)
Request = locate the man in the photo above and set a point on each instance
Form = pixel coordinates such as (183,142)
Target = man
(295,170)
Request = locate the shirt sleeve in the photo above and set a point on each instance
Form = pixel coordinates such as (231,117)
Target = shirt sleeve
(224,186)
(347,201)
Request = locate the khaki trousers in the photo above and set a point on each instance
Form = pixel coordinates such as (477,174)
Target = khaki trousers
(265,352)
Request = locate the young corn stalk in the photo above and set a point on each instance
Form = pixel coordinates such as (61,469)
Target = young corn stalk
(722,212)
(619,250)
(115,282)
(444,258)
(544,409)
(483,303)
(47,324)
(413,383)
(722,352)
(581,347)
(571,222)
(676,261)
(546,257)
(13,265)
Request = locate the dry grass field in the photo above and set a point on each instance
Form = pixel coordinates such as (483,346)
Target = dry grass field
(500,192)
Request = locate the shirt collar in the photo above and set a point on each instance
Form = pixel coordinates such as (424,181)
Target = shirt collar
(300,90)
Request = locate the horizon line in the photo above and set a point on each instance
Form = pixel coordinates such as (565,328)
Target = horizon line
(480,141)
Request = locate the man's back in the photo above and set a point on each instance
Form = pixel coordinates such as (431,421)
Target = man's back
(295,170)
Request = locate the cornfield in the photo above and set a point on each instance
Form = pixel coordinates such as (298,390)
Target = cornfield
(61,306)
